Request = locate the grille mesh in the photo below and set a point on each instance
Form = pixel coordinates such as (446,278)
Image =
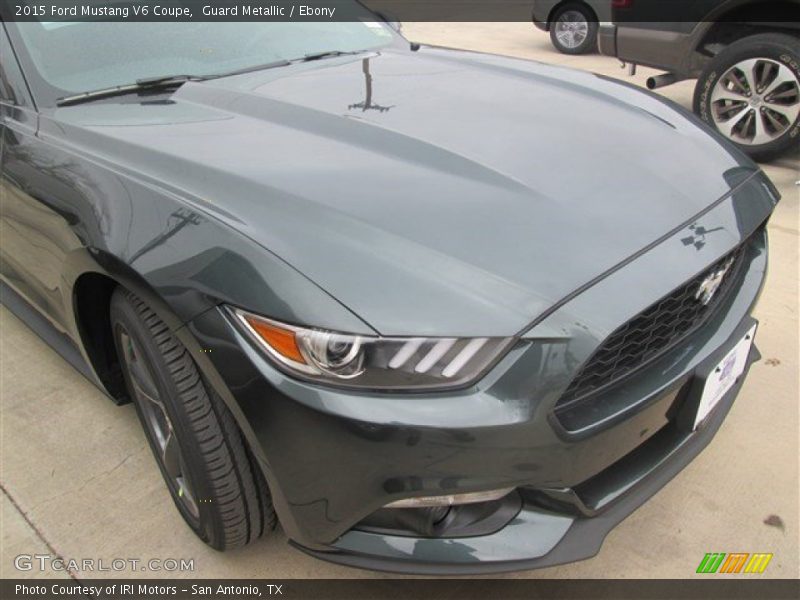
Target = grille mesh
(652,332)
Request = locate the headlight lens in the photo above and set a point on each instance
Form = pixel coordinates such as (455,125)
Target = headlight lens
(372,362)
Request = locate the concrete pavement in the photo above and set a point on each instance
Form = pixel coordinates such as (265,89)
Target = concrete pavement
(79,481)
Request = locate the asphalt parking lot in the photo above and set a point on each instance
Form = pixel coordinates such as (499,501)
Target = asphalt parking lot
(79,481)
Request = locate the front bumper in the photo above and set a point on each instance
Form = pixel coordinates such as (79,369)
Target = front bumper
(332,457)
(536,538)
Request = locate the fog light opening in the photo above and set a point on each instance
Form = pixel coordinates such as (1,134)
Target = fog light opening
(438,514)
(451,499)
(425,521)
(454,515)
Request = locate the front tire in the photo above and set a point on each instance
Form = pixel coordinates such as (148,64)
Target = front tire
(573,29)
(212,478)
(750,93)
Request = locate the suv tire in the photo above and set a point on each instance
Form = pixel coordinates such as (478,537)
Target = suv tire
(573,29)
(765,121)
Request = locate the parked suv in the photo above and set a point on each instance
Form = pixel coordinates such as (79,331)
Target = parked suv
(572,24)
(745,55)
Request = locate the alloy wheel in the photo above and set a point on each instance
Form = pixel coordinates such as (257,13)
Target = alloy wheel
(571,29)
(158,422)
(755,101)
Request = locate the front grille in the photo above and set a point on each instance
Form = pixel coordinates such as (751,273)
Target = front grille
(653,331)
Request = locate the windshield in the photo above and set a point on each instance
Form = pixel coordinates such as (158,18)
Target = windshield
(73,57)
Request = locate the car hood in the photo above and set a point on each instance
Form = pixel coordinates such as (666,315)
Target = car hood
(432,192)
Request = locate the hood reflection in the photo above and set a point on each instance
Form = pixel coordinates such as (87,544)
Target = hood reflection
(367,104)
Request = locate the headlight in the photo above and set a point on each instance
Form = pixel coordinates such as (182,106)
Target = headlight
(372,362)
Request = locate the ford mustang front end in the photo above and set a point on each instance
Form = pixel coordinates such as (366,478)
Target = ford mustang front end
(440,312)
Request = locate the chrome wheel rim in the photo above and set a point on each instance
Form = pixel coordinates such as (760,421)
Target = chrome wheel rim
(158,422)
(571,29)
(756,101)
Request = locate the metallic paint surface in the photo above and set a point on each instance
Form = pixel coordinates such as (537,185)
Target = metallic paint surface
(439,216)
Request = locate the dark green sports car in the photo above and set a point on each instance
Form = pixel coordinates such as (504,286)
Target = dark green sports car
(435,311)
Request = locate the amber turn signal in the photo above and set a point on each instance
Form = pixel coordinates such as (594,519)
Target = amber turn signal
(281,340)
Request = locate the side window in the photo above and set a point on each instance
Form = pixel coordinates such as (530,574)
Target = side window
(12,86)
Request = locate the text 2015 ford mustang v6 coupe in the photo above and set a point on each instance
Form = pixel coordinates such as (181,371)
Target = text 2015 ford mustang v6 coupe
(436,311)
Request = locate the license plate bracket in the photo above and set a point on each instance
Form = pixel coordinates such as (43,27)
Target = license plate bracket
(724,376)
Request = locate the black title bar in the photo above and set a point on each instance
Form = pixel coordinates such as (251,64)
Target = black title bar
(641,11)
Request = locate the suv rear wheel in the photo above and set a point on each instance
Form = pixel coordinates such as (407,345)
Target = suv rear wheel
(750,93)
(573,29)
(214,481)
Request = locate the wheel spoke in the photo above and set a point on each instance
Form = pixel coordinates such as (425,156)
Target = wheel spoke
(788,93)
(764,73)
(791,112)
(725,94)
(145,393)
(733,81)
(171,456)
(748,69)
(761,135)
(728,126)
(782,75)
(725,112)
(776,124)
(186,494)
(140,377)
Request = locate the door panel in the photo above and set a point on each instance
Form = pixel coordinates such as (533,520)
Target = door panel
(33,238)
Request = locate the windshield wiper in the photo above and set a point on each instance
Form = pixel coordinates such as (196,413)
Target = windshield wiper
(148,83)
(271,65)
(171,81)
(328,54)
(283,62)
